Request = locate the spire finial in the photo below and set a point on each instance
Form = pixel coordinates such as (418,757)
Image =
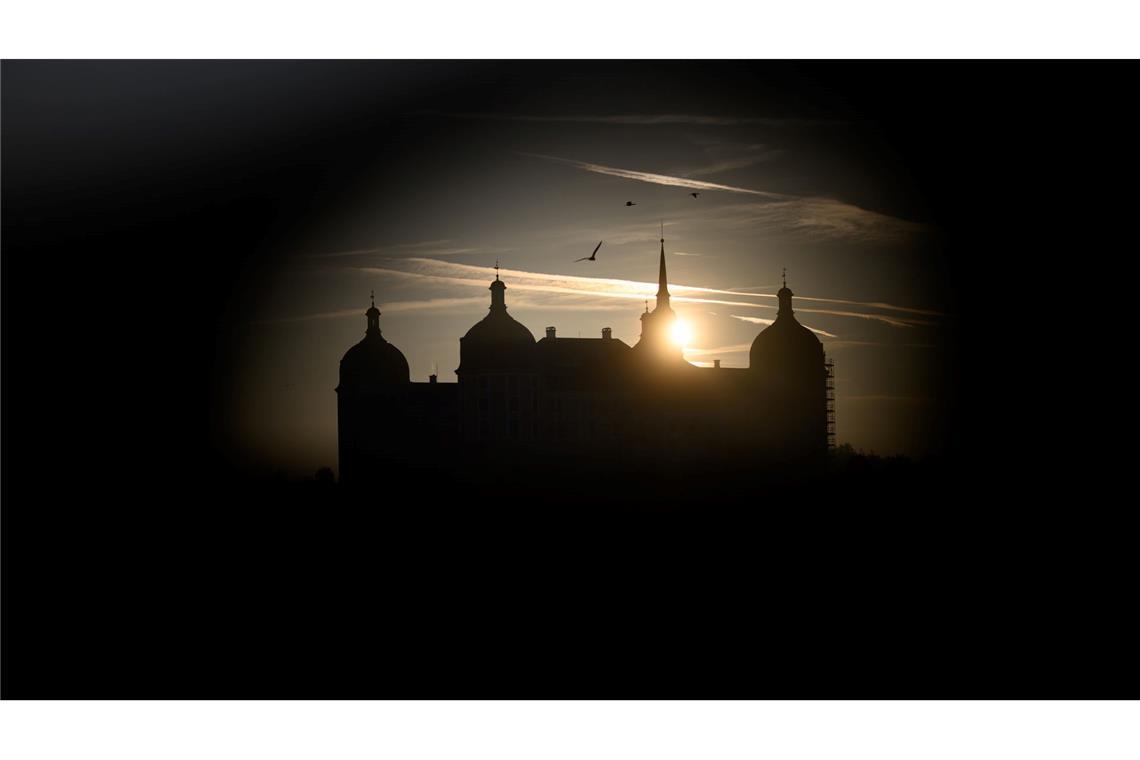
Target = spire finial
(373,315)
(496,269)
(785,277)
(662,230)
(647,306)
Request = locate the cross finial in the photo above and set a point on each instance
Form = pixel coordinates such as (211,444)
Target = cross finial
(496,269)
(647,306)
(785,277)
(373,297)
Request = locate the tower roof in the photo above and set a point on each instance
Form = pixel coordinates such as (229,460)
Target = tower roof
(373,360)
(785,337)
(498,326)
(662,277)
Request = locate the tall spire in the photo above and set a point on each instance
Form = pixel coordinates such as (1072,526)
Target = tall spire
(662,278)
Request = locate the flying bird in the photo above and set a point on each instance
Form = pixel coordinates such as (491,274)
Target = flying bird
(694,194)
(591,256)
(630,203)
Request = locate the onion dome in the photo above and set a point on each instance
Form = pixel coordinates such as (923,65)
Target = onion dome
(497,339)
(785,341)
(373,361)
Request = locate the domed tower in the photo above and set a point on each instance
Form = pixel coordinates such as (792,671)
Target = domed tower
(373,373)
(497,378)
(372,361)
(787,362)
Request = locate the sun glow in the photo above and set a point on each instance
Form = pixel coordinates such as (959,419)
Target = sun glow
(681,333)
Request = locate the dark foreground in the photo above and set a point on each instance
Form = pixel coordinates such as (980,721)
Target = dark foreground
(879,578)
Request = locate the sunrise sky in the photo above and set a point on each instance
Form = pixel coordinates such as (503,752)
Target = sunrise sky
(537,185)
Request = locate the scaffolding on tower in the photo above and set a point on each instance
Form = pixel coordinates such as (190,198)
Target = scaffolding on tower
(829,365)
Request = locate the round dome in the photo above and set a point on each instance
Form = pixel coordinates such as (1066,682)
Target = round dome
(499,327)
(373,360)
(785,341)
(496,342)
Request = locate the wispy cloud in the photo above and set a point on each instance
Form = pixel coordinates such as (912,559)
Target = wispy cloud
(684,253)
(657,179)
(562,302)
(432,304)
(812,216)
(725,157)
(834,345)
(449,272)
(763,321)
(737,348)
(422,248)
(454,273)
(887,320)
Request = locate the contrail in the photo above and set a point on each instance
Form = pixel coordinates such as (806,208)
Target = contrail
(659,179)
(813,215)
(638,289)
(762,321)
(469,275)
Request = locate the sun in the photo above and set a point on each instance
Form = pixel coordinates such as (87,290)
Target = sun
(681,333)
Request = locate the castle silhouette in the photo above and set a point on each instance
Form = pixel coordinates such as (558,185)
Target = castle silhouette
(595,407)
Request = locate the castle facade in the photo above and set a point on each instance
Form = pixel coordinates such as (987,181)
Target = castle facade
(526,406)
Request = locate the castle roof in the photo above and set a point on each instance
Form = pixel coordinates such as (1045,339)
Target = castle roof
(785,339)
(499,327)
(373,360)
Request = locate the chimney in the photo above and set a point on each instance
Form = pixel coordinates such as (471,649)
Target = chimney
(550,332)
(716,365)
(607,333)
(431,379)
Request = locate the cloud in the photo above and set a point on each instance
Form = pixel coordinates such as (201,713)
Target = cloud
(683,253)
(834,345)
(731,156)
(555,284)
(422,248)
(737,348)
(812,216)
(892,321)
(436,304)
(562,302)
(591,292)
(454,273)
(656,179)
(762,321)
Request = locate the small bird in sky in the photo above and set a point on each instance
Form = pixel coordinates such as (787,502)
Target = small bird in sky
(630,203)
(591,257)
(694,194)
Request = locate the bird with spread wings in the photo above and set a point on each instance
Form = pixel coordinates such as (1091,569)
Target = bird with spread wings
(592,256)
